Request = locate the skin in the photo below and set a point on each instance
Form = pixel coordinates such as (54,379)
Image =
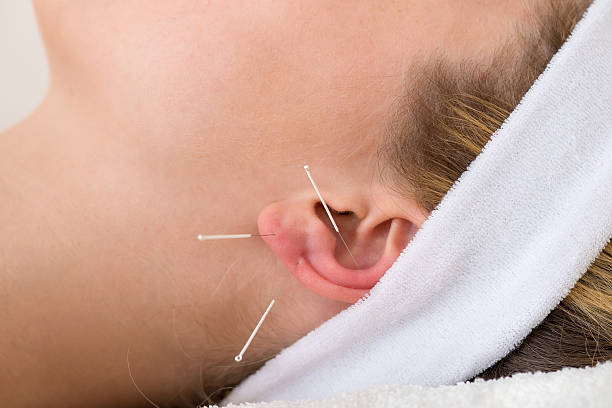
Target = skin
(169,119)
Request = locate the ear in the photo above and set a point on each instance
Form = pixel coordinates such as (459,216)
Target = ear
(304,233)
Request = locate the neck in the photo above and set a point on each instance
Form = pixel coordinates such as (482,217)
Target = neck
(68,210)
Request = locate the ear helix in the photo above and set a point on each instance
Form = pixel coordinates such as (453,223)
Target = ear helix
(307,168)
(202,237)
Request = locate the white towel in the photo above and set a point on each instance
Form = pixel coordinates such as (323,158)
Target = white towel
(567,388)
(503,248)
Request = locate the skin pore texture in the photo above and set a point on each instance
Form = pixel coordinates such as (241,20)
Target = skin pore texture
(169,119)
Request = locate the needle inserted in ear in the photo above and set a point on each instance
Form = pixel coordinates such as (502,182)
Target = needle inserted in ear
(329,214)
(230,236)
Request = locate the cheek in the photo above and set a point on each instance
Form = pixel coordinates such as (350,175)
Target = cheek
(242,76)
(234,79)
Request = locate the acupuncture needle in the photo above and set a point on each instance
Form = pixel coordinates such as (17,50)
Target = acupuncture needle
(307,168)
(202,237)
(238,358)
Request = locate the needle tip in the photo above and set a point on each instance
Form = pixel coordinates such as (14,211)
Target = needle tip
(306,167)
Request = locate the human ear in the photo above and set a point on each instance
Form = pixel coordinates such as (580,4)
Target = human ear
(307,244)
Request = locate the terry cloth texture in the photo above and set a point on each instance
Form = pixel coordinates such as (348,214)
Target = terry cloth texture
(503,248)
(568,388)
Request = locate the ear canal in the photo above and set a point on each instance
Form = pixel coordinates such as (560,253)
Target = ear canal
(395,236)
(301,234)
(347,222)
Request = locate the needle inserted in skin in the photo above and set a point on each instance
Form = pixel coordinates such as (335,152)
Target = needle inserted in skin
(230,236)
(329,214)
(238,358)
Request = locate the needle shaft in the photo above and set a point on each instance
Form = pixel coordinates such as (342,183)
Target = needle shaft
(202,237)
(307,168)
(239,356)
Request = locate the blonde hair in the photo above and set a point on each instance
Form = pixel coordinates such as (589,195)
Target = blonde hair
(443,123)
(449,113)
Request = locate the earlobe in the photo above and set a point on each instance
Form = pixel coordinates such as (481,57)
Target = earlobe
(301,236)
(309,276)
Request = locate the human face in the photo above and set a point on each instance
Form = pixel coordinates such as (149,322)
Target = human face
(169,119)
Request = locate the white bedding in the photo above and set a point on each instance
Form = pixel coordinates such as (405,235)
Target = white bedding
(504,247)
(570,387)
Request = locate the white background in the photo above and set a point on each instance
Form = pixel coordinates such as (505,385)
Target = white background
(24,76)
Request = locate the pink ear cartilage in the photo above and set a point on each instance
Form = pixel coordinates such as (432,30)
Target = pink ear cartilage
(201,237)
(307,168)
